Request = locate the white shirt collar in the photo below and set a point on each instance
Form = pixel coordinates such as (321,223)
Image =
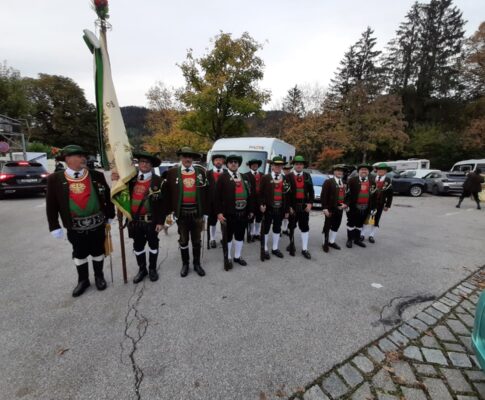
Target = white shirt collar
(232,173)
(70,172)
(215,169)
(146,175)
(254,172)
(297,173)
(273,174)
(337,179)
(191,168)
(380,178)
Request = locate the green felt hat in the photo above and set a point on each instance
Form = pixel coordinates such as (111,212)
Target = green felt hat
(234,157)
(71,150)
(383,165)
(278,160)
(299,159)
(187,152)
(254,161)
(154,160)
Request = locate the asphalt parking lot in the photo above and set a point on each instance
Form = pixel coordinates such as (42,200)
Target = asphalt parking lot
(257,332)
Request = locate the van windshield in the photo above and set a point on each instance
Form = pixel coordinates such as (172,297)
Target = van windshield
(246,155)
(463,168)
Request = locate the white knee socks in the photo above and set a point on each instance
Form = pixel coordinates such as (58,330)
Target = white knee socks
(304,240)
(238,244)
(212,232)
(276,240)
(332,235)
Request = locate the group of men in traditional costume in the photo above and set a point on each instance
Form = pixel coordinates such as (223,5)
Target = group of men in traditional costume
(251,204)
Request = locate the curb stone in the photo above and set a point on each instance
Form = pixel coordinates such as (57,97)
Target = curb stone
(427,357)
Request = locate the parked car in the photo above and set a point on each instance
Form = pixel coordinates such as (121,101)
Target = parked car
(22,177)
(404,185)
(417,173)
(318,181)
(440,182)
(164,166)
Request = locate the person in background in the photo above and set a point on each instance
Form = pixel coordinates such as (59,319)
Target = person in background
(382,200)
(333,195)
(218,161)
(284,224)
(254,176)
(472,187)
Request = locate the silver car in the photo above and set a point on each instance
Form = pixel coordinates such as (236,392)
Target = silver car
(440,182)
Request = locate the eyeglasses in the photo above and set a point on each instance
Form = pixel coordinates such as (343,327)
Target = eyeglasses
(232,162)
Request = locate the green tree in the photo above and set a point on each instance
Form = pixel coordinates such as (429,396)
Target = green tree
(61,113)
(222,87)
(13,95)
(293,102)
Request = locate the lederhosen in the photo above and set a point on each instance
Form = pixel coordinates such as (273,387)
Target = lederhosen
(335,219)
(360,208)
(87,233)
(300,196)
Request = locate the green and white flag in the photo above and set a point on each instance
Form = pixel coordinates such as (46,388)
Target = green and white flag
(114,146)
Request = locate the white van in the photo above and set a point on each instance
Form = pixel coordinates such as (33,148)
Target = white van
(469,165)
(259,148)
(402,165)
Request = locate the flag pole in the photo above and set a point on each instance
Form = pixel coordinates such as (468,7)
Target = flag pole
(103,27)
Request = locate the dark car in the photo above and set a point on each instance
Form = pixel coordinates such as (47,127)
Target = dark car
(439,182)
(318,180)
(22,177)
(407,185)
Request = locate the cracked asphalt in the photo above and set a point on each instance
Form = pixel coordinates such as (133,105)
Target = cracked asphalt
(257,332)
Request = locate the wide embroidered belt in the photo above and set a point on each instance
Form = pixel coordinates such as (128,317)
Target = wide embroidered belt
(241,204)
(277,204)
(362,207)
(88,223)
(188,212)
(144,218)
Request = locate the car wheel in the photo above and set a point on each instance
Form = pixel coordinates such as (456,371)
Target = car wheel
(415,190)
(435,190)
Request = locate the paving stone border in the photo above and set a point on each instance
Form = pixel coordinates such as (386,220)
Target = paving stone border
(428,357)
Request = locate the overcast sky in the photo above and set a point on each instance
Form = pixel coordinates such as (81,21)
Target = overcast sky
(303,40)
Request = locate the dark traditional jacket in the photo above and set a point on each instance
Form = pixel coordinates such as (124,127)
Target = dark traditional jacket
(329,195)
(266,195)
(212,190)
(252,182)
(353,189)
(473,183)
(154,198)
(382,197)
(308,188)
(173,187)
(226,195)
(57,200)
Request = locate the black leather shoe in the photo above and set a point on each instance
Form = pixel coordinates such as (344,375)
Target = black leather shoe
(277,253)
(371,239)
(325,247)
(349,244)
(360,243)
(362,238)
(291,249)
(80,288)
(334,246)
(153,274)
(240,261)
(227,265)
(306,254)
(213,244)
(256,237)
(458,206)
(140,275)
(100,282)
(185,270)
(199,269)
(266,255)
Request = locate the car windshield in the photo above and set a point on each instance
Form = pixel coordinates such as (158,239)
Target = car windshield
(408,174)
(28,168)
(246,156)
(318,180)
